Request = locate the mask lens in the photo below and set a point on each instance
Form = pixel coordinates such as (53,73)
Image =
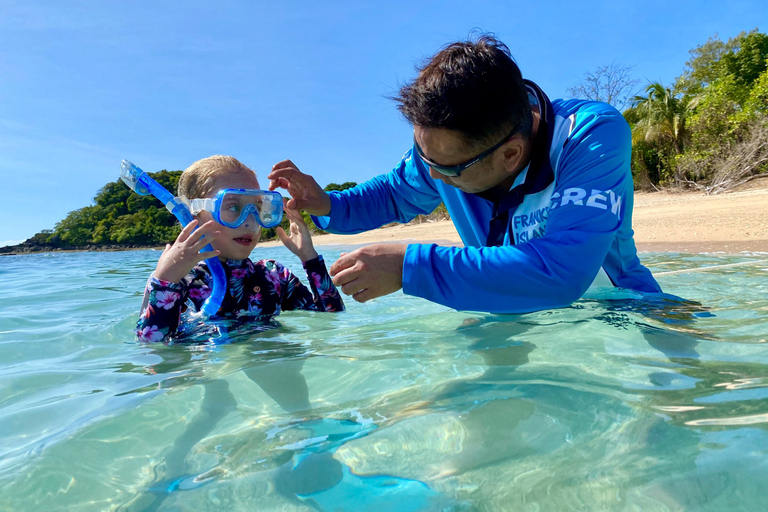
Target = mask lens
(235,208)
(232,208)
(270,208)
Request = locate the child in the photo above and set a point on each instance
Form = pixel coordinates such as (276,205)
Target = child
(261,289)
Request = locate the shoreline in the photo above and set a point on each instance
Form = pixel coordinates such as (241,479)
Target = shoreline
(688,247)
(664,221)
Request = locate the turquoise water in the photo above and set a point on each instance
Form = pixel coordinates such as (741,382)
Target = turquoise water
(398,404)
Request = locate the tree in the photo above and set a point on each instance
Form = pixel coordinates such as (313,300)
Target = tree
(660,116)
(611,84)
(712,115)
(757,101)
(742,56)
(336,187)
(725,106)
(748,61)
(143,228)
(703,68)
(77,227)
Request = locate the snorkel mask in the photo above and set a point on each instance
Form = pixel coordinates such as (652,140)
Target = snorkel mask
(231,207)
(142,184)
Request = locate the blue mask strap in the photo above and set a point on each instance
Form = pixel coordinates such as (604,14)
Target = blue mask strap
(142,184)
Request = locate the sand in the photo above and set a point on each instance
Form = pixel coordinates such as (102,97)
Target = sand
(663,221)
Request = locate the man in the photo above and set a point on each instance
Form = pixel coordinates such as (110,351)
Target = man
(540,192)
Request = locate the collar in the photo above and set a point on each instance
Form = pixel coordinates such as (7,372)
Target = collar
(537,176)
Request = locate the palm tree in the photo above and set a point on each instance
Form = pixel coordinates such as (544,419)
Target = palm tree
(660,116)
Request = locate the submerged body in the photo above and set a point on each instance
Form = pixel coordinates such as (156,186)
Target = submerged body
(262,290)
(224,195)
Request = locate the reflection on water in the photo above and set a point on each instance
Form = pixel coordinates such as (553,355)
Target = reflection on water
(611,404)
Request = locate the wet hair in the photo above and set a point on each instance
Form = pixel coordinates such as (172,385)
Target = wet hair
(198,179)
(473,87)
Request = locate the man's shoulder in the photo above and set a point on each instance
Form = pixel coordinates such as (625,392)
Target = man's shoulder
(576,120)
(569,107)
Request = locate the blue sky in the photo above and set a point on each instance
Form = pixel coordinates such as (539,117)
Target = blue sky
(84,84)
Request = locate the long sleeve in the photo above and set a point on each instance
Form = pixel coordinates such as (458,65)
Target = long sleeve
(160,309)
(590,199)
(323,295)
(398,196)
(259,291)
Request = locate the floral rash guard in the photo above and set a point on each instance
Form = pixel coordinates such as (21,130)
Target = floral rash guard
(262,289)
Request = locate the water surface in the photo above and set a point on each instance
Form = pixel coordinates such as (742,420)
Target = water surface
(398,404)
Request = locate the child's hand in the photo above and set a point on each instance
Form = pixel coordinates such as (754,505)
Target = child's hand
(181,257)
(300,241)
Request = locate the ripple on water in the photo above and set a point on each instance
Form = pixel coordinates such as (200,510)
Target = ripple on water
(615,403)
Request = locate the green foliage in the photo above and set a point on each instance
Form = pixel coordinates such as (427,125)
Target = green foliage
(747,63)
(683,135)
(119,216)
(650,164)
(756,103)
(42,238)
(271,233)
(144,227)
(703,68)
(660,116)
(440,213)
(714,109)
(336,187)
(76,228)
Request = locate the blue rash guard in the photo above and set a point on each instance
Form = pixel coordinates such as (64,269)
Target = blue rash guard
(566,219)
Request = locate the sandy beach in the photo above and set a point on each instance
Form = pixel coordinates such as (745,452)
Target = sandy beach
(663,221)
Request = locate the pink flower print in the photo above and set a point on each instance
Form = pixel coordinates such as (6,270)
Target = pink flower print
(256,297)
(166,300)
(200,293)
(239,273)
(274,278)
(318,280)
(150,334)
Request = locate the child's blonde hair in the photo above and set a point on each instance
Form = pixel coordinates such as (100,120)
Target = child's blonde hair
(197,179)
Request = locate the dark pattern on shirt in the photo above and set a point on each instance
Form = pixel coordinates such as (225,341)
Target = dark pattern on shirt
(261,290)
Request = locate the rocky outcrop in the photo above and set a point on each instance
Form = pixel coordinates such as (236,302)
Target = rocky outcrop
(30,247)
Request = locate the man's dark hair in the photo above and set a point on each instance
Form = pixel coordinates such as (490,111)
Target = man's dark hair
(473,87)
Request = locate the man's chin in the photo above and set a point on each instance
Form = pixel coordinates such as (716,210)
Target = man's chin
(472,190)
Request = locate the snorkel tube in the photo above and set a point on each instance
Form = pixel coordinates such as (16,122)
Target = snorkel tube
(142,184)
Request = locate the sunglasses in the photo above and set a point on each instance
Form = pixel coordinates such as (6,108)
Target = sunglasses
(454,171)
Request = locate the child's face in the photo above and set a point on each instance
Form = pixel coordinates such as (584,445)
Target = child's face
(234,243)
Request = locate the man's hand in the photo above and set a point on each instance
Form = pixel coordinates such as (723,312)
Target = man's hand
(370,272)
(305,193)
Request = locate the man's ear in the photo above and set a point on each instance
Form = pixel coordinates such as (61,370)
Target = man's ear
(514,154)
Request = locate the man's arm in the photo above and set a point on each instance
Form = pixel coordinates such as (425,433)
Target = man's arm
(398,196)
